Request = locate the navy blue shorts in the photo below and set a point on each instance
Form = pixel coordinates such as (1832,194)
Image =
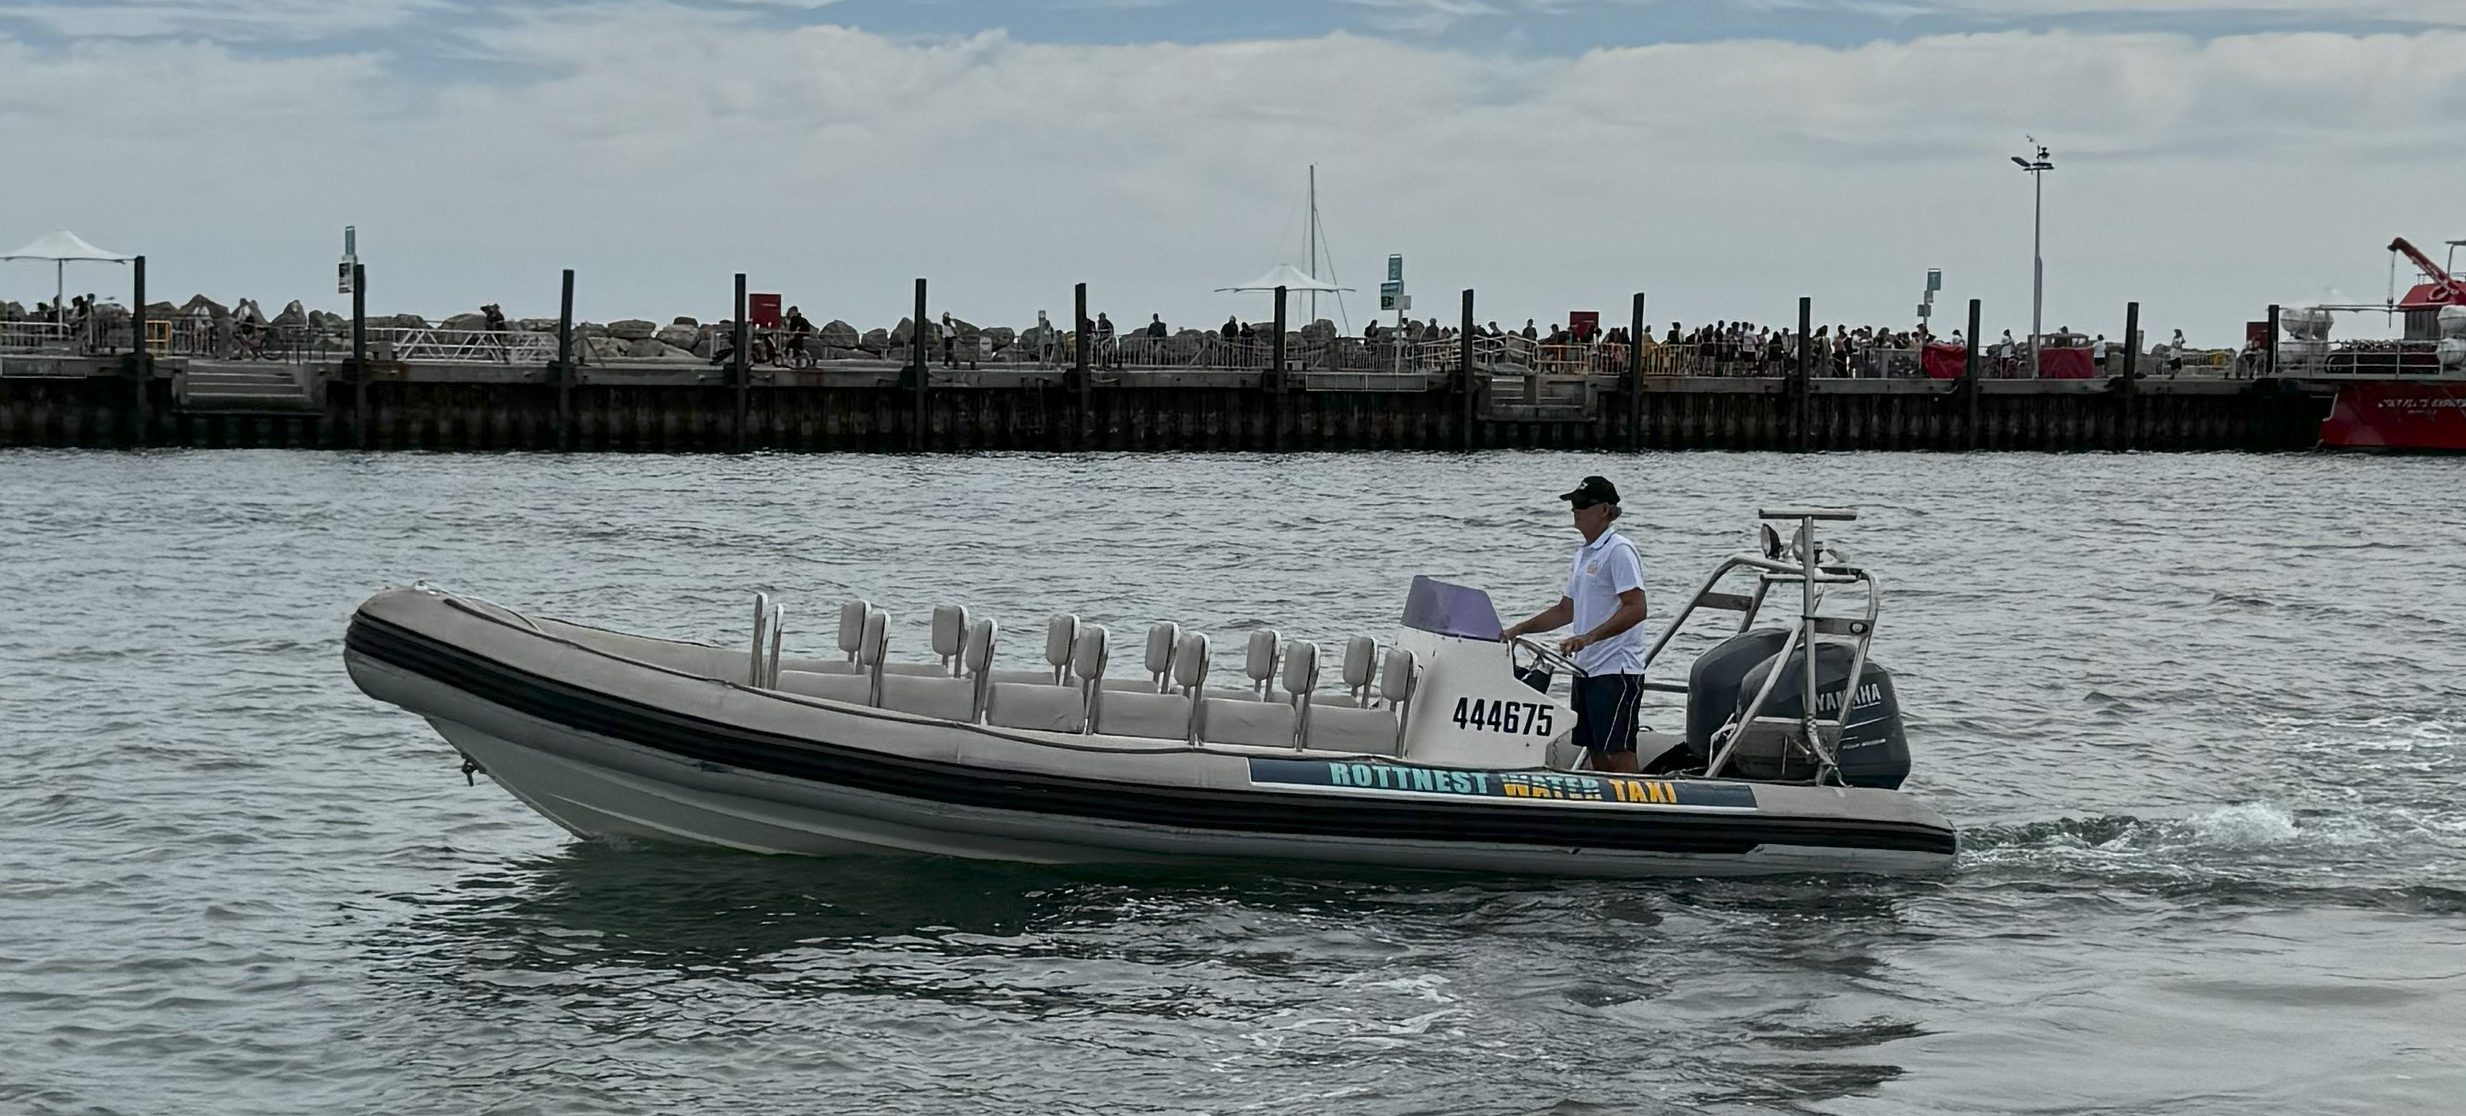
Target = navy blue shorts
(1605,706)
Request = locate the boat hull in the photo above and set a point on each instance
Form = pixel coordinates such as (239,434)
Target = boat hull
(619,750)
(2418,415)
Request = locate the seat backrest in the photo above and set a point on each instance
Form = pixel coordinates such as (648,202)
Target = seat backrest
(950,633)
(1260,665)
(871,650)
(1361,663)
(1399,680)
(852,626)
(1301,676)
(1190,662)
(1061,634)
(976,659)
(1163,639)
(1088,659)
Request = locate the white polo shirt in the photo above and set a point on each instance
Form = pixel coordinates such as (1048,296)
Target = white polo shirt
(1604,568)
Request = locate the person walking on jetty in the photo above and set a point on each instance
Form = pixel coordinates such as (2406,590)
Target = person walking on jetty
(1604,600)
(950,341)
(1105,352)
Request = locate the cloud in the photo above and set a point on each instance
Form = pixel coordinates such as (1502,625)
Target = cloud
(255,21)
(658,148)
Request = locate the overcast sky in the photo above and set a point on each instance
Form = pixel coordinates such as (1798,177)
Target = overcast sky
(1724,156)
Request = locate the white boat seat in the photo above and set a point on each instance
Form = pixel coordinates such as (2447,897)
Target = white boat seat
(817,666)
(1361,662)
(1044,707)
(1131,685)
(849,687)
(935,670)
(1166,716)
(1246,720)
(1026,677)
(1337,728)
(1260,661)
(951,699)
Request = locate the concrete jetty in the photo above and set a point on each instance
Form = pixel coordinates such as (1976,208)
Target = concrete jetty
(379,383)
(103,402)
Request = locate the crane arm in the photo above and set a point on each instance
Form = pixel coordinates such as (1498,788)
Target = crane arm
(2424,263)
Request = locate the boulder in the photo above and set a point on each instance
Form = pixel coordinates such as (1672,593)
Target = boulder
(200,304)
(681,335)
(900,334)
(1184,346)
(590,329)
(603,347)
(1001,337)
(402,321)
(293,316)
(537,325)
(12,312)
(646,348)
(688,323)
(465,322)
(632,329)
(875,342)
(838,335)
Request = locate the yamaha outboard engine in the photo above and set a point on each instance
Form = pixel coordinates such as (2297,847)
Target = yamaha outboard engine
(1873,751)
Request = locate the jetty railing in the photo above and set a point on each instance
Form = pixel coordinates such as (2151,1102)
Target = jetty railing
(34,337)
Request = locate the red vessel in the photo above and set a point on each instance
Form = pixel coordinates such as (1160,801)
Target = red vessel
(2407,394)
(2398,414)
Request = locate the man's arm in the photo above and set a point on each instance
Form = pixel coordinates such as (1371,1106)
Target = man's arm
(1630,613)
(1549,619)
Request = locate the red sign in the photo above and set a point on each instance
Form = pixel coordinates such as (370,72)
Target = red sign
(762,310)
(1583,323)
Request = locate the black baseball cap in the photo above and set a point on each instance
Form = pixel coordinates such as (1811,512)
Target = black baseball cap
(1593,490)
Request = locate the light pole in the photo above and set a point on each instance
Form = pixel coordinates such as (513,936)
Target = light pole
(2037,169)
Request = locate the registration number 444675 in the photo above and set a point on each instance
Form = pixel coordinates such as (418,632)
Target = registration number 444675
(1519,718)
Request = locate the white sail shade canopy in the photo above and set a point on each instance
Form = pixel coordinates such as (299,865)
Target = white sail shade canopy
(61,249)
(1290,278)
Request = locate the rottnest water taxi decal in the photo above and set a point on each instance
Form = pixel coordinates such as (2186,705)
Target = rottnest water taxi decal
(1396,778)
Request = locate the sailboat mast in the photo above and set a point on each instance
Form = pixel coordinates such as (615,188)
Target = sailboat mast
(1314,238)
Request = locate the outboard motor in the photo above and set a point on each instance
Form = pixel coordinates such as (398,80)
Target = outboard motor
(1873,750)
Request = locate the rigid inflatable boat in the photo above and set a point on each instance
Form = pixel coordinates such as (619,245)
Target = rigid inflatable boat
(1444,750)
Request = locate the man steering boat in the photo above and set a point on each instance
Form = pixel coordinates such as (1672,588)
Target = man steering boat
(1604,602)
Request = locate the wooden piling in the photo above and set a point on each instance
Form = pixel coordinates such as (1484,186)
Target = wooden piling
(1969,382)
(141,359)
(924,371)
(1464,378)
(1800,384)
(2128,390)
(1635,376)
(565,363)
(1081,378)
(1275,375)
(359,355)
